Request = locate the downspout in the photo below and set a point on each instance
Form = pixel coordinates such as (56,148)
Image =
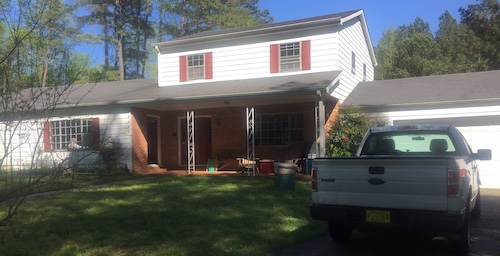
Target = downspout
(158,62)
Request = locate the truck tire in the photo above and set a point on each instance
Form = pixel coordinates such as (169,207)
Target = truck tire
(340,232)
(476,212)
(461,246)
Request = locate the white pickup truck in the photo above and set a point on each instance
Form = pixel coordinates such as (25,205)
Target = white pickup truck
(415,177)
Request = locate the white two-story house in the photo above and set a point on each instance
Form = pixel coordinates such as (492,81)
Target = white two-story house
(264,92)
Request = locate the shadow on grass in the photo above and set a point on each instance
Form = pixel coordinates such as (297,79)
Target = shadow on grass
(165,216)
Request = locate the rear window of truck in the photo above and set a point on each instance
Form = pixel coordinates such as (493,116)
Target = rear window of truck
(408,143)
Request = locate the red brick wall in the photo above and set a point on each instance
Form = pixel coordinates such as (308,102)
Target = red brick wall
(228,133)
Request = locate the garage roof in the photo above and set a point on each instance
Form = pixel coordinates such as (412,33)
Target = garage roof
(453,88)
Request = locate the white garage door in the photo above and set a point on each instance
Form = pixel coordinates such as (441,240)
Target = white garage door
(487,137)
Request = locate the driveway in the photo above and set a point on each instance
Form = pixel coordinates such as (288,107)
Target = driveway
(485,239)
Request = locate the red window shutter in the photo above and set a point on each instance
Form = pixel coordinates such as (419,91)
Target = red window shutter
(46,137)
(208,66)
(306,55)
(182,68)
(275,58)
(96,136)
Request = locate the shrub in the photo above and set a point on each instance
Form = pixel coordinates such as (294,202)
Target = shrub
(111,155)
(347,133)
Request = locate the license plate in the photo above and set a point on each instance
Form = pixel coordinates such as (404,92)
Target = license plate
(378,216)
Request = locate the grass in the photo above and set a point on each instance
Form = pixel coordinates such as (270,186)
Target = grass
(11,183)
(185,215)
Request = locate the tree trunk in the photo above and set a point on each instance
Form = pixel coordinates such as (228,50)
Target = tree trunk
(118,34)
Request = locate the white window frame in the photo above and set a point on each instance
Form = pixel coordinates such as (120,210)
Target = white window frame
(290,56)
(62,131)
(353,63)
(364,71)
(195,67)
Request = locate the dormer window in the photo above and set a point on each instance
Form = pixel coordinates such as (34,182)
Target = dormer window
(290,57)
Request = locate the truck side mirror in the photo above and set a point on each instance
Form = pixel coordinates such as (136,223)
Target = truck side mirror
(482,154)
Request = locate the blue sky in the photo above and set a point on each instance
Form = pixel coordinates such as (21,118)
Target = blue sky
(380,14)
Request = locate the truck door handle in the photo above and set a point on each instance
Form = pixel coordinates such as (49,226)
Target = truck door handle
(376,170)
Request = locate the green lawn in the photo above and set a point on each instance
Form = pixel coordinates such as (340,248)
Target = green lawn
(184,215)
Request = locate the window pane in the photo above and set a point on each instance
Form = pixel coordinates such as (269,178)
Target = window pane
(290,57)
(279,129)
(63,131)
(196,67)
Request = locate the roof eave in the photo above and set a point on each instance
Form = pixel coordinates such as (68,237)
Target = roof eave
(252,32)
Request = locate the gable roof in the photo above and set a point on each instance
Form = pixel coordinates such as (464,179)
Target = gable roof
(147,91)
(325,20)
(440,89)
(337,18)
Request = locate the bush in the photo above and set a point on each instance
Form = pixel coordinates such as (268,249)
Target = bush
(111,155)
(348,132)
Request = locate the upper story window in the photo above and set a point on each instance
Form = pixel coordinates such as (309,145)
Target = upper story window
(195,67)
(289,57)
(353,63)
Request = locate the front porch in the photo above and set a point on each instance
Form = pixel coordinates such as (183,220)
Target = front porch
(278,119)
(285,133)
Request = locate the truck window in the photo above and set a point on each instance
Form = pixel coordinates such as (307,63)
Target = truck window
(409,143)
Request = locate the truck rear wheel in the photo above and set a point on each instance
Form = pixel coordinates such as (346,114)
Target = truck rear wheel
(340,232)
(461,246)
(476,212)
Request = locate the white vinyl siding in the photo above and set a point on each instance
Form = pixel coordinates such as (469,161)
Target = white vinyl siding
(352,40)
(252,60)
(115,125)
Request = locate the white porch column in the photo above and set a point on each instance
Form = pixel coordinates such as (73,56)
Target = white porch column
(250,112)
(190,142)
(320,126)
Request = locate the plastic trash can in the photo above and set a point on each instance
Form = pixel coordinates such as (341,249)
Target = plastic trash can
(284,175)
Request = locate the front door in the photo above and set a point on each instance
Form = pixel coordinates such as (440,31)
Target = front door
(152,138)
(202,140)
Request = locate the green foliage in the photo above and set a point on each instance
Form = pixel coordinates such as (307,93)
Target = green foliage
(472,45)
(484,20)
(111,155)
(185,17)
(459,46)
(348,132)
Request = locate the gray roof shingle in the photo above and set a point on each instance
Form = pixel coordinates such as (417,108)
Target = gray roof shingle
(148,91)
(451,88)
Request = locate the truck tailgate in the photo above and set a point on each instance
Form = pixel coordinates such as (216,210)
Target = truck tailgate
(402,183)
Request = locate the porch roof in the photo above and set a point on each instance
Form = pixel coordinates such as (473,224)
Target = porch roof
(142,92)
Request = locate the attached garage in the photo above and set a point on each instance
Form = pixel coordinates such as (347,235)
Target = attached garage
(469,101)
